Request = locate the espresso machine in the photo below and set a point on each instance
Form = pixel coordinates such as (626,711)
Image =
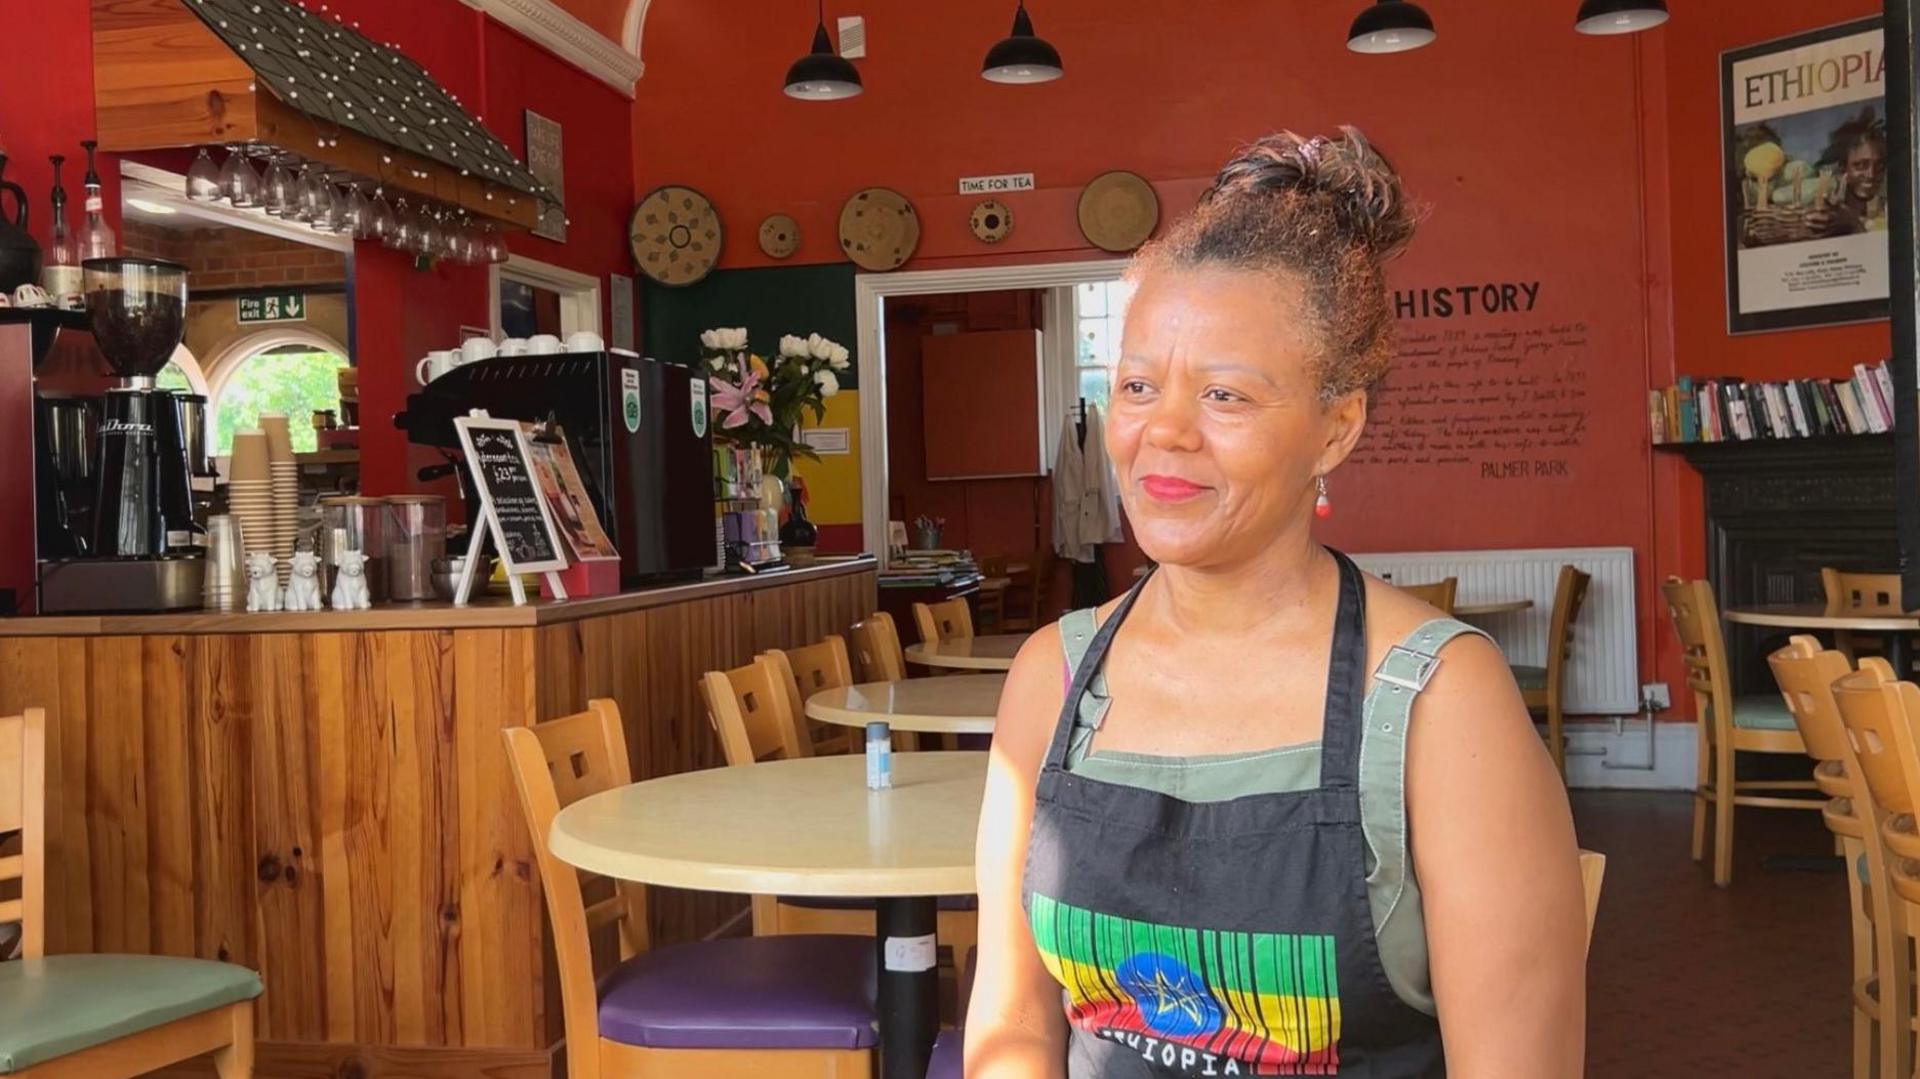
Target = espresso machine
(135,543)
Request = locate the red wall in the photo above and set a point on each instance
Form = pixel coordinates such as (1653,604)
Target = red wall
(1526,141)
(1697,261)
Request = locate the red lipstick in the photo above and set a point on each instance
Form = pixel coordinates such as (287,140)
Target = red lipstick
(1170,488)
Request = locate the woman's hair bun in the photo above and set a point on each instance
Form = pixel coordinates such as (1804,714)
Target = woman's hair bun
(1361,186)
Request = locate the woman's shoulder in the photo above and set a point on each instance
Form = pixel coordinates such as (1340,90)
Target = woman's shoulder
(1035,689)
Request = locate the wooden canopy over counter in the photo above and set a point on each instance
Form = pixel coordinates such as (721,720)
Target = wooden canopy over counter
(326,798)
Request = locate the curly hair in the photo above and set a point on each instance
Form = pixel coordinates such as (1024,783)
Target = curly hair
(1862,129)
(1329,213)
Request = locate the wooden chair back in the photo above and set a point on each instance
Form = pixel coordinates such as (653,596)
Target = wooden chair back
(1593,871)
(1875,707)
(1569,594)
(948,620)
(1696,619)
(1861,593)
(23,808)
(1806,671)
(876,643)
(1438,594)
(810,670)
(748,707)
(1017,606)
(555,764)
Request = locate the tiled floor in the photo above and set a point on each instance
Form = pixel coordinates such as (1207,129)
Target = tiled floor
(1746,982)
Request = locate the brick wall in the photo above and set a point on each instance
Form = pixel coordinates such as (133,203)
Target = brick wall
(235,258)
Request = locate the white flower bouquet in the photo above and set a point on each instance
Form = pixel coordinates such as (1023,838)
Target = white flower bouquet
(760,403)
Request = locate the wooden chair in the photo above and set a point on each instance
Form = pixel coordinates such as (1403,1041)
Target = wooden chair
(1593,871)
(948,620)
(750,710)
(99,1016)
(563,760)
(1806,672)
(1860,594)
(1879,713)
(1438,594)
(990,602)
(1544,688)
(876,643)
(810,670)
(1017,604)
(1753,724)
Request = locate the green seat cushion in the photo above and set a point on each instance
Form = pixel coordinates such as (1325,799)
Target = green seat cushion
(1529,677)
(1762,712)
(62,1004)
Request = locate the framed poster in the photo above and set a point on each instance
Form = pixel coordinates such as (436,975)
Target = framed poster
(544,161)
(1804,162)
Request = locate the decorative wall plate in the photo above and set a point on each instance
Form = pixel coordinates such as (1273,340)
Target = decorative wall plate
(675,235)
(779,236)
(1118,211)
(991,221)
(878,229)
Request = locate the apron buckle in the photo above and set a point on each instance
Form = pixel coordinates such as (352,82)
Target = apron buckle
(1423,667)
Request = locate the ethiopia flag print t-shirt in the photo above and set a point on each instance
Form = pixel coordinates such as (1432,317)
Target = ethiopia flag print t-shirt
(1191,1001)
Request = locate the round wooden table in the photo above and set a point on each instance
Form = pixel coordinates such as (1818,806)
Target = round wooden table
(994,652)
(1491,606)
(1893,628)
(956,704)
(807,827)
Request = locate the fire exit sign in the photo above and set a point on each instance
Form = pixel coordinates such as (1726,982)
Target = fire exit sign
(272,307)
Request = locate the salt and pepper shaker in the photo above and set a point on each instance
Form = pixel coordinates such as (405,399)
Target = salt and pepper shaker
(879,757)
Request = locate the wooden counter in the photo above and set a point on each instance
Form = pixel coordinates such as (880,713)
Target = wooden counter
(325,797)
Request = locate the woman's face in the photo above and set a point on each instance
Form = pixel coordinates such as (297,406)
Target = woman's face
(1217,429)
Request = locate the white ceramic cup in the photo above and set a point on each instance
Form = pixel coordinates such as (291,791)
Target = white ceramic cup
(543,344)
(585,341)
(436,363)
(513,346)
(475,349)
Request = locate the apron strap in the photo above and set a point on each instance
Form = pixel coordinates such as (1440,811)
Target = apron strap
(1084,671)
(1383,769)
(1346,680)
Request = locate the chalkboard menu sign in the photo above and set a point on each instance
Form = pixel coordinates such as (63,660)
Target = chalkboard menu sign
(501,463)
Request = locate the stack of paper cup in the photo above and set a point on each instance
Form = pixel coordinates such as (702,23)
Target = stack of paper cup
(284,473)
(250,489)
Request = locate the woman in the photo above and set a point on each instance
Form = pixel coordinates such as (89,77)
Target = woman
(1224,876)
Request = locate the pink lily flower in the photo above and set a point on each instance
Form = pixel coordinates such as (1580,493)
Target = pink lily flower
(740,402)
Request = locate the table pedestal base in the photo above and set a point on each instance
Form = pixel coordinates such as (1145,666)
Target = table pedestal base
(909,985)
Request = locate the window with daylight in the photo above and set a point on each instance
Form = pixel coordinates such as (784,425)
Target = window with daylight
(297,380)
(1099,309)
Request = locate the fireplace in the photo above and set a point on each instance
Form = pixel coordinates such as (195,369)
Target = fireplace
(1777,511)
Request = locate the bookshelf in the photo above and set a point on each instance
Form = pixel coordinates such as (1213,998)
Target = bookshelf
(1838,449)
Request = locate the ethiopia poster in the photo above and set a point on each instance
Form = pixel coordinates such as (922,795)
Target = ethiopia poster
(1804,137)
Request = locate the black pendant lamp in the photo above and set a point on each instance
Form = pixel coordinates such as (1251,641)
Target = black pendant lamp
(1021,57)
(822,75)
(1620,16)
(1390,26)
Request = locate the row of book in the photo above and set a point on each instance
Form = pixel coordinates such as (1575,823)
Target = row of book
(1735,410)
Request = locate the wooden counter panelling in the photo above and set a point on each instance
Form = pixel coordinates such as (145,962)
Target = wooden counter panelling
(334,809)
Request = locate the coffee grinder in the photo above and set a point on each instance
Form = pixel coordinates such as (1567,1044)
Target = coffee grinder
(146,551)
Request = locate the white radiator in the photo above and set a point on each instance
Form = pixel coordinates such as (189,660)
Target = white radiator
(1604,677)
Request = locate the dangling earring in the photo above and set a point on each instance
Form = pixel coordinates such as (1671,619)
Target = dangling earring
(1322,507)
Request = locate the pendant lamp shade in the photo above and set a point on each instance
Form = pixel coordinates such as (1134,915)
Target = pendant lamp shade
(1390,26)
(1021,57)
(822,75)
(1620,16)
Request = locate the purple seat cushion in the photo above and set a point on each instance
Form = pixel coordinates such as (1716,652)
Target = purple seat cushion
(828,902)
(790,992)
(946,1056)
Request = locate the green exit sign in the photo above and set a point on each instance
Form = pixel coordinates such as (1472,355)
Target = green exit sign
(273,307)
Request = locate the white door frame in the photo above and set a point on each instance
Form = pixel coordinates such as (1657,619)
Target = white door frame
(579,293)
(870,290)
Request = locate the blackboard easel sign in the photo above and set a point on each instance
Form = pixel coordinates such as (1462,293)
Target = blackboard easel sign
(512,509)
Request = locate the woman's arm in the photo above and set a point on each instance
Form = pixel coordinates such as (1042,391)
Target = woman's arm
(1016,1028)
(1499,873)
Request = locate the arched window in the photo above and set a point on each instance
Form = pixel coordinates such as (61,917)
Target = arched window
(293,372)
(182,373)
